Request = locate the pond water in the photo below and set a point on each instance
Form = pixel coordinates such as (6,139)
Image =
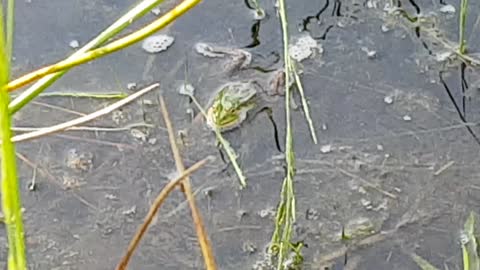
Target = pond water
(396,161)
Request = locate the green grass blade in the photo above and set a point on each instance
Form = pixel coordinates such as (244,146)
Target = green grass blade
(11,203)
(305,106)
(462,26)
(471,260)
(422,263)
(10,27)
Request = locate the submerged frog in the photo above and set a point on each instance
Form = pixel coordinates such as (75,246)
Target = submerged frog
(239,59)
(231,103)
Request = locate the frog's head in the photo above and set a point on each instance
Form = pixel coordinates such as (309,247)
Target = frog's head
(226,109)
(231,104)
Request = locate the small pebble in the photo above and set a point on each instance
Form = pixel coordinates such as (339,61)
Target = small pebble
(379,147)
(388,99)
(186,89)
(130,212)
(385,28)
(138,134)
(443,56)
(267,213)
(110,196)
(249,247)
(74,44)
(381,206)
(312,214)
(207,192)
(371,54)
(118,116)
(81,162)
(147,101)
(366,203)
(326,148)
(464,238)
(152,141)
(32,186)
(372,4)
(341,24)
(447,9)
(156,11)
(259,14)
(131,86)
(241,213)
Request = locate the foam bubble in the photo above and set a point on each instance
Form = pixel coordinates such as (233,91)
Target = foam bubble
(157,43)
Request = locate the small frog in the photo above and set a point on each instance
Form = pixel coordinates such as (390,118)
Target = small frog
(239,59)
(231,103)
(360,227)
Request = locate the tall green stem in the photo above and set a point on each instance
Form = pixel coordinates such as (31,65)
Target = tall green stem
(11,203)
(10,28)
(462,25)
(285,217)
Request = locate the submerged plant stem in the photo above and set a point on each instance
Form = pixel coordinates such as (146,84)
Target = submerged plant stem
(282,236)
(305,106)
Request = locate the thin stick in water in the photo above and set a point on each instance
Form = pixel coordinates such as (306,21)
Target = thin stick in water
(153,210)
(203,240)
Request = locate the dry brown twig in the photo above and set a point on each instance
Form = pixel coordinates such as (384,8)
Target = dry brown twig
(153,210)
(203,240)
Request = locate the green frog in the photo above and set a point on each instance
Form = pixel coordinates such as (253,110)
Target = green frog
(231,103)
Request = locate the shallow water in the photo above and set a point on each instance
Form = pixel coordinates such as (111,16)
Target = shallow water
(409,165)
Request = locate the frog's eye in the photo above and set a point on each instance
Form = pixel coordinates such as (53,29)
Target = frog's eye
(227,104)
